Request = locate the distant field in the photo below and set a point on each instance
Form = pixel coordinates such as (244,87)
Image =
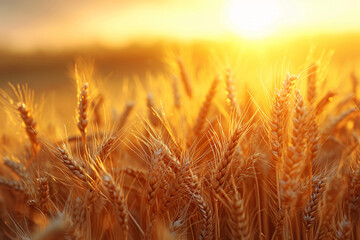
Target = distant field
(48,69)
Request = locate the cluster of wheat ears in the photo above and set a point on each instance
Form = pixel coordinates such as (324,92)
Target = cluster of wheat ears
(228,169)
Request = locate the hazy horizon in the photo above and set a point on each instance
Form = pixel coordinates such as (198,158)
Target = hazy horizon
(68,24)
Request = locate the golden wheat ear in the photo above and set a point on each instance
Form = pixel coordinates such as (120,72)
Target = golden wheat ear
(207,222)
(330,203)
(354,187)
(276,130)
(152,111)
(343,230)
(13,185)
(17,168)
(83,103)
(30,126)
(74,167)
(43,194)
(96,105)
(185,78)
(117,200)
(312,141)
(231,93)
(176,93)
(77,213)
(239,222)
(279,117)
(324,101)
(311,84)
(204,110)
(221,171)
(107,147)
(123,119)
(21,103)
(312,207)
(293,165)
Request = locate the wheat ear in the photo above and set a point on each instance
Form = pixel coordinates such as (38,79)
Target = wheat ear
(185,78)
(354,189)
(43,195)
(78,218)
(285,94)
(176,93)
(223,166)
(329,203)
(312,205)
(175,186)
(343,231)
(167,155)
(154,120)
(294,163)
(117,199)
(30,125)
(231,92)
(276,130)
(311,84)
(71,164)
(239,221)
(312,142)
(135,173)
(17,168)
(15,185)
(125,115)
(324,101)
(98,119)
(207,219)
(204,110)
(83,102)
(278,118)
(106,148)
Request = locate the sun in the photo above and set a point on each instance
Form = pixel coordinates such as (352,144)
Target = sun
(252,18)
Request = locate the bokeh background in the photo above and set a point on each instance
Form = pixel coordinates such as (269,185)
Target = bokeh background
(40,40)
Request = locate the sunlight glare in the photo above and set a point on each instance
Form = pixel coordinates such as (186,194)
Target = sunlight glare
(252,18)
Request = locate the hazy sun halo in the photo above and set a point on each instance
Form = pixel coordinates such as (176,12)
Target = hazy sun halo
(252,18)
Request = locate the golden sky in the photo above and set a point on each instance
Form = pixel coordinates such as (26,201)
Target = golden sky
(33,24)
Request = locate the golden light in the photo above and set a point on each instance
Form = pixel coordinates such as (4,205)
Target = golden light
(253,18)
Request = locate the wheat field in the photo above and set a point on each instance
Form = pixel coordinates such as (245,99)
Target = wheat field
(184,158)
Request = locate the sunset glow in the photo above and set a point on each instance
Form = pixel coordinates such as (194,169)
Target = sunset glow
(253,19)
(46,24)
